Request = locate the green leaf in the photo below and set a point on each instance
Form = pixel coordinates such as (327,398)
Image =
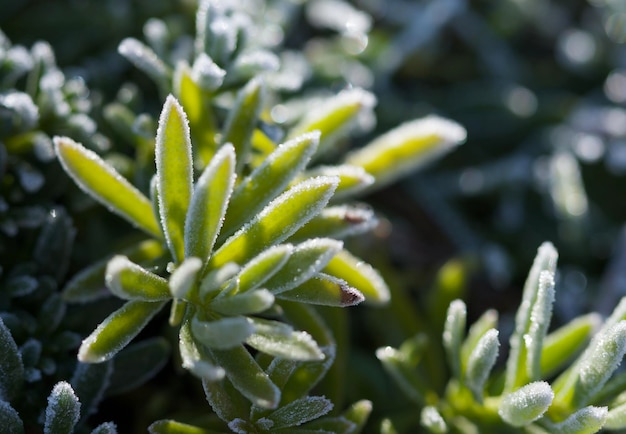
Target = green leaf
(103,183)
(10,419)
(431,419)
(219,280)
(587,420)
(183,279)
(616,418)
(488,320)
(11,366)
(324,290)
(167,426)
(407,147)
(242,119)
(117,330)
(105,428)
(89,382)
(337,222)
(296,413)
(243,303)
(360,276)
(223,333)
(516,368)
(453,334)
(138,363)
(247,376)
(227,403)
(403,373)
(328,424)
(280,219)
(526,404)
(481,360)
(540,317)
(208,204)
(194,357)
(268,180)
(280,340)
(352,179)
(130,281)
(63,410)
(174,172)
(256,272)
(358,413)
(206,73)
(145,59)
(306,260)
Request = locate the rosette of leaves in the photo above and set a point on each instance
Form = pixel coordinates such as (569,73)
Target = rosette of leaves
(564,381)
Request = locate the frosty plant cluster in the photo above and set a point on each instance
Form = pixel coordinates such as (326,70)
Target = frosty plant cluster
(580,398)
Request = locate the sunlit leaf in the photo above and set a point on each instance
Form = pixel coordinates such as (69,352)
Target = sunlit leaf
(526,404)
(183,279)
(454,334)
(262,267)
(145,59)
(223,333)
(194,357)
(324,290)
(352,179)
(480,362)
(337,222)
(130,281)
(243,303)
(297,412)
(280,340)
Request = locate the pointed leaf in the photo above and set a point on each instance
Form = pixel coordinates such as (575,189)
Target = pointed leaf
(11,366)
(540,317)
(243,303)
(117,330)
(358,413)
(194,357)
(280,340)
(324,290)
(352,179)
(9,419)
(256,272)
(242,119)
(526,404)
(223,333)
(306,260)
(268,180)
(337,222)
(89,382)
(359,275)
(488,320)
(453,335)
(183,279)
(174,173)
(404,374)
(208,204)
(281,218)
(407,147)
(103,183)
(173,427)
(138,363)
(227,403)
(130,281)
(432,420)
(298,412)
(247,376)
(63,410)
(145,59)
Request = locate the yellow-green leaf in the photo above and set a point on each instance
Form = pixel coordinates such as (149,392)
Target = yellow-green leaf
(130,281)
(324,290)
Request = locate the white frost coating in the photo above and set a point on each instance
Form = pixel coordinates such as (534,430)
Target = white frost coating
(300,411)
(206,73)
(253,62)
(267,263)
(224,333)
(21,104)
(616,418)
(143,58)
(183,279)
(432,420)
(481,361)
(279,339)
(526,404)
(63,410)
(587,420)
(339,16)
(120,265)
(215,279)
(540,317)
(352,178)
(357,219)
(453,332)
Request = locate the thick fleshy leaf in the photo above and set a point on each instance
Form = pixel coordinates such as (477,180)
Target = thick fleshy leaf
(243,303)
(130,281)
(407,147)
(63,410)
(223,333)
(297,412)
(145,59)
(221,280)
(11,366)
(256,272)
(280,340)
(280,219)
(208,204)
(183,279)
(352,179)
(167,426)
(526,404)
(587,420)
(481,360)
(358,413)
(359,275)
(488,320)
(9,419)
(174,172)
(103,183)
(242,119)
(268,180)
(247,376)
(324,290)
(89,382)
(616,418)
(306,260)
(540,317)
(138,363)
(403,373)
(117,330)
(194,357)
(337,222)
(454,334)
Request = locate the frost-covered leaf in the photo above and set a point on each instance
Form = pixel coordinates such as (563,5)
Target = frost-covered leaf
(407,147)
(130,281)
(526,404)
(223,333)
(167,426)
(184,278)
(11,366)
(243,303)
(616,418)
(19,286)
(105,428)
(403,373)
(352,179)
(276,222)
(256,272)
(540,317)
(358,413)
(431,419)
(481,360)
(138,363)
(174,173)
(454,333)
(225,400)
(298,412)
(117,330)
(242,119)
(220,279)
(208,204)
(194,357)
(280,340)
(587,420)
(247,376)
(63,410)
(206,73)
(324,290)
(89,382)
(359,275)
(10,420)
(145,59)
(488,320)
(306,260)
(337,222)
(103,183)
(268,180)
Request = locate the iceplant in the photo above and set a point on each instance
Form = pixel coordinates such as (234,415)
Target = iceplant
(579,400)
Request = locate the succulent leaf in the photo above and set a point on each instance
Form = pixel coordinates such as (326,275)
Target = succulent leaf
(130,281)
(63,410)
(526,404)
